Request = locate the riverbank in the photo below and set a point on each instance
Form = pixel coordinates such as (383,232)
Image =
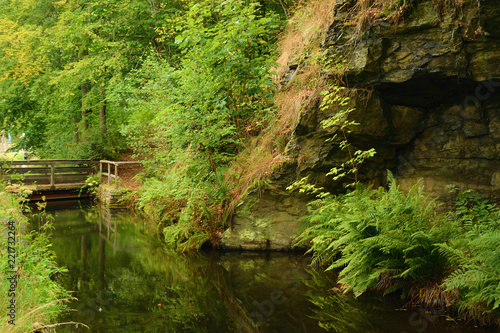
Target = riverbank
(389,241)
(30,300)
(126,281)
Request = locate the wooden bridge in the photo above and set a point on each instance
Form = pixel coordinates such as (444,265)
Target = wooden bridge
(55,179)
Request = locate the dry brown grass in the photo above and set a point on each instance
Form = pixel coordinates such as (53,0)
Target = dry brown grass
(366,11)
(305,28)
(264,154)
(369,10)
(432,295)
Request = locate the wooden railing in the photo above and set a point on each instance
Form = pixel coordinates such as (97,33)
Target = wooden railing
(48,174)
(112,172)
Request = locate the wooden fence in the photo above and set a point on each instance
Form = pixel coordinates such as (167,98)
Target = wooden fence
(49,174)
(112,172)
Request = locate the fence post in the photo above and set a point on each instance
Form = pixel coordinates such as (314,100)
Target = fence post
(100,169)
(52,180)
(109,174)
(116,175)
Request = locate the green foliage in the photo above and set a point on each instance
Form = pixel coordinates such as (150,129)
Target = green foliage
(230,41)
(11,157)
(475,214)
(39,299)
(475,270)
(64,66)
(183,83)
(388,240)
(219,92)
(61,61)
(91,185)
(379,239)
(343,125)
(189,211)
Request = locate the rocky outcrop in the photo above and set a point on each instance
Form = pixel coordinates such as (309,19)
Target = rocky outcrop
(427,95)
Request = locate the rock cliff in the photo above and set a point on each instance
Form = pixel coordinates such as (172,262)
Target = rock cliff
(427,95)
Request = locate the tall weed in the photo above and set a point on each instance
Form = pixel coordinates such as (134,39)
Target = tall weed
(38,298)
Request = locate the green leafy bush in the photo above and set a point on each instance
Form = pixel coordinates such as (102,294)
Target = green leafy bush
(219,93)
(189,212)
(379,239)
(475,258)
(388,240)
(38,298)
(92,185)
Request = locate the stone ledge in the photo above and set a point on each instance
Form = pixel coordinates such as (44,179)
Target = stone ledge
(112,197)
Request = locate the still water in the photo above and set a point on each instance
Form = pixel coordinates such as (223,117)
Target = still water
(126,282)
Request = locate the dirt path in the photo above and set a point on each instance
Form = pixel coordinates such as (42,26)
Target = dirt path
(128,173)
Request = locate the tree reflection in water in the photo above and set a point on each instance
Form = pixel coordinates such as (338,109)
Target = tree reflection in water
(125,281)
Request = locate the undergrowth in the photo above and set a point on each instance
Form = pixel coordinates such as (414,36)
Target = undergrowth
(380,239)
(474,258)
(191,212)
(300,44)
(387,240)
(201,110)
(38,299)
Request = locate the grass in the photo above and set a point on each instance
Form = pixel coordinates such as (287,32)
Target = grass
(38,299)
(394,10)
(11,157)
(305,30)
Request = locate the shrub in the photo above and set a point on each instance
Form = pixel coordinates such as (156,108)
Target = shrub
(379,239)
(189,211)
(475,258)
(219,95)
(91,185)
(38,298)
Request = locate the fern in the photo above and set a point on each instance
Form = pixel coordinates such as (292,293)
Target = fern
(477,272)
(188,211)
(475,257)
(377,234)
(388,240)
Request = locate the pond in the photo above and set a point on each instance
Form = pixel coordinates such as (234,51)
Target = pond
(125,281)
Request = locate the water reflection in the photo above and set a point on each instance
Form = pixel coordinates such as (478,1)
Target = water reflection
(126,282)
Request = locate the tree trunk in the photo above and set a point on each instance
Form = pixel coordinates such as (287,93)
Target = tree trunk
(102,114)
(85,86)
(85,90)
(76,136)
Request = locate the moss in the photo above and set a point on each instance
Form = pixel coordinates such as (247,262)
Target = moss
(246,209)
